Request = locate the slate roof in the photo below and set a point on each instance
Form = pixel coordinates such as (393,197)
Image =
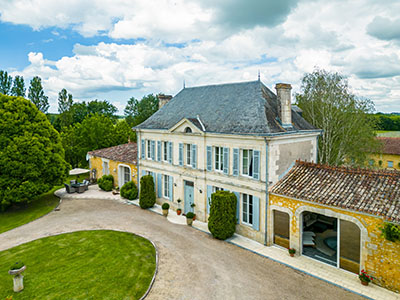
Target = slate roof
(124,153)
(390,145)
(374,192)
(237,108)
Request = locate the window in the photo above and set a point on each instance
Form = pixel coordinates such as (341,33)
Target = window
(188,154)
(188,130)
(127,175)
(106,170)
(247,162)
(216,189)
(148,149)
(247,209)
(371,162)
(390,164)
(219,158)
(165,151)
(166,186)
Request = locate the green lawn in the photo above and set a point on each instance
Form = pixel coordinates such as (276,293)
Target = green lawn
(99,264)
(383,133)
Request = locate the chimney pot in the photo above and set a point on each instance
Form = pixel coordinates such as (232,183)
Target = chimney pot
(283,93)
(163,99)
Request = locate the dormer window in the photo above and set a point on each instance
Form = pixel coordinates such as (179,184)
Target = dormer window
(188,130)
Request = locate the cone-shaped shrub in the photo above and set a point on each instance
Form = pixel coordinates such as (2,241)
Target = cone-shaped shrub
(222,220)
(129,191)
(147,197)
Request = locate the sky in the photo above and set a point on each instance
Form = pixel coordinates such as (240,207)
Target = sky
(117,49)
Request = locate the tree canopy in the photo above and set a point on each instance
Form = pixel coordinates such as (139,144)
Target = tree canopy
(348,128)
(37,96)
(5,82)
(31,153)
(137,112)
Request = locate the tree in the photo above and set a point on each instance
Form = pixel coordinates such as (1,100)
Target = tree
(37,96)
(124,133)
(18,88)
(79,111)
(147,194)
(31,153)
(5,82)
(222,220)
(348,129)
(137,112)
(64,101)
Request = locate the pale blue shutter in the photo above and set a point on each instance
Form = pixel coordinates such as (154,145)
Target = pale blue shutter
(256,164)
(237,207)
(209,192)
(180,154)
(159,185)
(236,162)
(153,150)
(143,173)
(226,160)
(209,158)
(170,152)
(143,149)
(159,150)
(256,213)
(194,156)
(171,188)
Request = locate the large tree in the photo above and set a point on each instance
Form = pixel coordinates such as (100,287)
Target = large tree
(5,82)
(348,128)
(18,88)
(138,111)
(64,101)
(31,153)
(81,110)
(37,96)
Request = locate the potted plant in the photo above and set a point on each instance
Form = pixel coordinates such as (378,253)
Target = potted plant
(179,210)
(165,208)
(365,278)
(189,218)
(115,190)
(16,271)
(192,206)
(292,251)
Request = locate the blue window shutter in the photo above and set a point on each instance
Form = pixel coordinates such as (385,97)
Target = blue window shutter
(235,162)
(226,160)
(143,149)
(143,173)
(171,188)
(209,158)
(256,164)
(170,153)
(180,154)
(159,150)
(256,213)
(159,185)
(194,156)
(209,192)
(153,150)
(237,207)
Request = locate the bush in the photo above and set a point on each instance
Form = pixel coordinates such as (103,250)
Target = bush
(147,197)
(222,220)
(165,206)
(391,232)
(18,265)
(189,215)
(106,183)
(129,190)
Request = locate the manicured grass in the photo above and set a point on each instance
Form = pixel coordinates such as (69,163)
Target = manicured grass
(99,264)
(383,133)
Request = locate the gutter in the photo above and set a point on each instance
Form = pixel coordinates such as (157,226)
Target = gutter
(201,123)
(266,192)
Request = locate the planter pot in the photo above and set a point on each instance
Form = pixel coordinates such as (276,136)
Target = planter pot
(165,212)
(194,217)
(17,272)
(178,212)
(364,282)
(189,221)
(18,279)
(291,254)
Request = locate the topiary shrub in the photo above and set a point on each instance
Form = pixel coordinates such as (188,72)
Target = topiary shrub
(189,215)
(147,196)
(129,191)
(106,183)
(165,205)
(222,220)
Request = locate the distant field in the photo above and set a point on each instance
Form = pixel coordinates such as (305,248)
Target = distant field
(383,133)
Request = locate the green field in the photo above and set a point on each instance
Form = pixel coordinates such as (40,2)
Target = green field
(382,133)
(101,264)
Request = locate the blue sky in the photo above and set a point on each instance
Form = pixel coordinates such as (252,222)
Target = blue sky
(118,49)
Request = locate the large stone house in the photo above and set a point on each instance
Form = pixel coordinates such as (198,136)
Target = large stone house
(389,156)
(239,137)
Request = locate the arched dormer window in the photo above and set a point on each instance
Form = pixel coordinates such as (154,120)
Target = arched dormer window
(188,130)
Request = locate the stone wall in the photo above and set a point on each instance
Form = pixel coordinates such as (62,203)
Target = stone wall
(97,163)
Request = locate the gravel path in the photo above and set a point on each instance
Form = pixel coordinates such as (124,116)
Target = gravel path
(192,265)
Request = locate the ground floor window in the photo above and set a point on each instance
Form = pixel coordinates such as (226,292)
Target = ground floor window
(281,228)
(106,169)
(247,209)
(216,189)
(167,192)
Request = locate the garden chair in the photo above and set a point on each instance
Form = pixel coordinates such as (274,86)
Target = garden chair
(69,188)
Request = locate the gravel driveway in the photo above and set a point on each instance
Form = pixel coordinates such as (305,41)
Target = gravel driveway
(192,265)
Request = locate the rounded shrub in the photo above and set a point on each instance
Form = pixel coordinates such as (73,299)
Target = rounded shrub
(106,183)
(222,220)
(129,190)
(18,265)
(165,206)
(190,215)
(147,196)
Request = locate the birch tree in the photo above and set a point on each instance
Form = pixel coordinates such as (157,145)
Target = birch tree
(348,128)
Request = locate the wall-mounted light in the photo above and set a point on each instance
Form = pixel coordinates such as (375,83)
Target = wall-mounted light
(115,170)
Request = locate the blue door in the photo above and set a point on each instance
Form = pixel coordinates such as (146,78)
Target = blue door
(189,196)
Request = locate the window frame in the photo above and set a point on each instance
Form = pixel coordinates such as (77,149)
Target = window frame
(164,146)
(249,162)
(106,171)
(166,192)
(148,152)
(390,164)
(188,155)
(247,209)
(219,163)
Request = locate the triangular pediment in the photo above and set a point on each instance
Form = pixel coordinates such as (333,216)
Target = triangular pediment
(186,125)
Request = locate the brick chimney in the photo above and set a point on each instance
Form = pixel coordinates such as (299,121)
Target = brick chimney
(283,93)
(163,99)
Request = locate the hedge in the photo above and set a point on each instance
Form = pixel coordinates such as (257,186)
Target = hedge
(222,220)
(129,191)
(147,197)
(106,183)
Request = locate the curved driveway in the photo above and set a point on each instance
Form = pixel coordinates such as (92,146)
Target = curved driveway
(192,265)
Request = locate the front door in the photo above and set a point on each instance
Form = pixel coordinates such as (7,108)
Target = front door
(189,196)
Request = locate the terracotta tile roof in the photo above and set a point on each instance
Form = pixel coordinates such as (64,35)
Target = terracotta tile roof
(391,145)
(369,191)
(123,153)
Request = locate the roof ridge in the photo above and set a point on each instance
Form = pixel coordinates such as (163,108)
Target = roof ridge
(223,84)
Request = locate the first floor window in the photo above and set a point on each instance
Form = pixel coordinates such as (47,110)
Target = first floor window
(247,209)
(247,162)
(390,164)
(148,149)
(165,151)
(188,154)
(166,186)
(219,158)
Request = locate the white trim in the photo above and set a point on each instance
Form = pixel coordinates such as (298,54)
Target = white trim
(103,171)
(121,176)
(271,217)
(242,211)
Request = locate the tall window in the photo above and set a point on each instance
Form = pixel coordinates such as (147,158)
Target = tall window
(165,151)
(188,154)
(127,175)
(247,162)
(106,169)
(219,158)
(247,209)
(390,164)
(166,187)
(148,149)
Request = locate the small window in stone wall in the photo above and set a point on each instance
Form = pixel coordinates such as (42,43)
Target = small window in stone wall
(390,164)
(188,130)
